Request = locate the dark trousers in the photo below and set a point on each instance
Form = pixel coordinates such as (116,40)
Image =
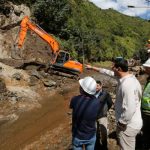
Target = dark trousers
(146,131)
(101,135)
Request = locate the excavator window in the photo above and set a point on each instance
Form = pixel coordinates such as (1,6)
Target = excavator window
(62,57)
(67,57)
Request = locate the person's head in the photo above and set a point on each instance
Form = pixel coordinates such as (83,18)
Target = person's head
(119,66)
(88,85)
(146,66)
(99,85)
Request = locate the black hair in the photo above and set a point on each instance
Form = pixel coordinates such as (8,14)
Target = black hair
(120,62)
(99,82)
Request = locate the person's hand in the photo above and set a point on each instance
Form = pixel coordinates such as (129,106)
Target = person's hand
(88,66)
(121,126)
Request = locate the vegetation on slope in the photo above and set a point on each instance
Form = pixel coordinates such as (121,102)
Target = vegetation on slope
(84,29)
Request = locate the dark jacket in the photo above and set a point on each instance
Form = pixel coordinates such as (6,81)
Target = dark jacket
(105,103)
(85,110)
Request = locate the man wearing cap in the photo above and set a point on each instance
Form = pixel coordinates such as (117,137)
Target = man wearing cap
(85,108)
(127,104)
(146,107)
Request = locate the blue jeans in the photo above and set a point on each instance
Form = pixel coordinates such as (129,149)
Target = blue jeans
(89,144)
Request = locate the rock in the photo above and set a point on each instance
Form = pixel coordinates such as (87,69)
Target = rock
(33,80)
(17,76)
(49,83)
(2,86)
(13,100)
(10,17)
(13,14)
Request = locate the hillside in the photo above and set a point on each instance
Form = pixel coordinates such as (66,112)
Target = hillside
(84,29)
(112,33)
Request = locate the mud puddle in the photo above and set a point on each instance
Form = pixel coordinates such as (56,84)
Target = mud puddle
(30,125)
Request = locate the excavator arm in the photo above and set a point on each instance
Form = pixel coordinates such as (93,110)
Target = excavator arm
(25,25)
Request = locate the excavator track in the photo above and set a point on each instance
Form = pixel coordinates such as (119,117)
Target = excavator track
(35,65)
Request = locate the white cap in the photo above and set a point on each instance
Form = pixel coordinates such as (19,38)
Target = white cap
(89,85)
(147,63)
(148,51)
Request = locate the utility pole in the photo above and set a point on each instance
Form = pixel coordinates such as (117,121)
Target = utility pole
(83,51)
(146,7)
(148,11)
(82,46)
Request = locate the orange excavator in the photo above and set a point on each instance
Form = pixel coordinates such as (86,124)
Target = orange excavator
(60,60)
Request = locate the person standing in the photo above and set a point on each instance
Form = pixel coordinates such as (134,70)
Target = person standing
(102,121)
(85,108)
(146,108)
(127,104)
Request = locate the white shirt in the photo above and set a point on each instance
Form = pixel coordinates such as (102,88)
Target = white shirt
(98,93)
(128,100)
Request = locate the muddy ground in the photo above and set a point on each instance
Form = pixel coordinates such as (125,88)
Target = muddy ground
(47,124)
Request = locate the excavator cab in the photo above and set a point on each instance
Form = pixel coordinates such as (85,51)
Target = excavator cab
(65,64)
(62,57)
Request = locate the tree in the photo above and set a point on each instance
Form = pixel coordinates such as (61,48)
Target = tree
(52,15)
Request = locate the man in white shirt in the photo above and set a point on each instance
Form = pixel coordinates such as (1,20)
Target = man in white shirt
(127,104)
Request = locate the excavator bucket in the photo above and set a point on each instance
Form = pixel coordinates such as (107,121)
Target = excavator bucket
(16,53)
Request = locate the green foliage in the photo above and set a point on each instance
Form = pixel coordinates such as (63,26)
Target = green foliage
(52,15)
(84,29)
(27,2)
(104,64)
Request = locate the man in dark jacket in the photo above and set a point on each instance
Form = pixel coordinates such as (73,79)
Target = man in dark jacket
(85,108)
(102,122)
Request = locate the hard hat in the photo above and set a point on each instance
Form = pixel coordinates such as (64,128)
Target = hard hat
(147,63)
(148,51)
(88,84)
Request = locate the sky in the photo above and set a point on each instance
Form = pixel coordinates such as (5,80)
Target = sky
(142,7)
